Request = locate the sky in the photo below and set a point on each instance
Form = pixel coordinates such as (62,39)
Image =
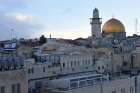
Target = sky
(62,18)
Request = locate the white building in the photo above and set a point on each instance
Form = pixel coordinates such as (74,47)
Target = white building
(119,85)
(53,66)
(13,81)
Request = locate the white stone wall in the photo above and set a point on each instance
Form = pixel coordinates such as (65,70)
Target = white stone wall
(41,71)
(103,65)
(76,60)
(8,78)
(136,58)
(96,29)
(117,61)
(138,84)
(107,87)
(77,63)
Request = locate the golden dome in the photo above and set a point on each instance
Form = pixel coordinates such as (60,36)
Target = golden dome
(113,25)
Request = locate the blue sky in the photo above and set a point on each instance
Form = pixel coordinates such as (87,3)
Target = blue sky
(62,18)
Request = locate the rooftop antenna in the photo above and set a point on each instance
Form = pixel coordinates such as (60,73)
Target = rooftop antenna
(136,26)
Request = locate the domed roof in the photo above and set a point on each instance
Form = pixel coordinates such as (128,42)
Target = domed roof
(113,25)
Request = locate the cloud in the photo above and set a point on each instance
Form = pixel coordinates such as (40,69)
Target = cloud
(22,25)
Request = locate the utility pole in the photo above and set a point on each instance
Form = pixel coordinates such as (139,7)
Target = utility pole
(12,31)
(136,26)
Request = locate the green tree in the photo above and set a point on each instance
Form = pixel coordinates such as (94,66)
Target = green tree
(42,39)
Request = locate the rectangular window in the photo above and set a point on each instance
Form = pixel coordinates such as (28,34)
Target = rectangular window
(44,69)
(71,64)
(73,85)
(131,90)
(75,63)
(114,91)
(29,71)
(85,62)
(13,88)
(2,89)
(38,84)
(123,90)
(16,88)
(32,70)
(90,82)
(63,65)
(82,83)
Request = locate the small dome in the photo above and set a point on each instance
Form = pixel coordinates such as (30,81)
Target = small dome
(113,25)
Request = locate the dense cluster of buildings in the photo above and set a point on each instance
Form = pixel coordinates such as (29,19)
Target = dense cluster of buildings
(106,62)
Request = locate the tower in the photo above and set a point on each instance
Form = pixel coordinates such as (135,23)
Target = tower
(95,22)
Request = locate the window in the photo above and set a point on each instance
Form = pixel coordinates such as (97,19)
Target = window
(2,89)
(75,63)
(90,82)
(85,62)
(38,84)
(131,89)
(71,64)
(16,88)
(30,70)
(102,67)
(98,68)
(44,69)
(114,91)
(63,64)
(82,83)
(13,88)
(123,90)
(73,85)
(107,65)
(78,63)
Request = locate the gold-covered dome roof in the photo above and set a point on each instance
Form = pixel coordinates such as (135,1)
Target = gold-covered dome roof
(113,25)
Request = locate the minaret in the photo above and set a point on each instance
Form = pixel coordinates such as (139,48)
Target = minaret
(96,24)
